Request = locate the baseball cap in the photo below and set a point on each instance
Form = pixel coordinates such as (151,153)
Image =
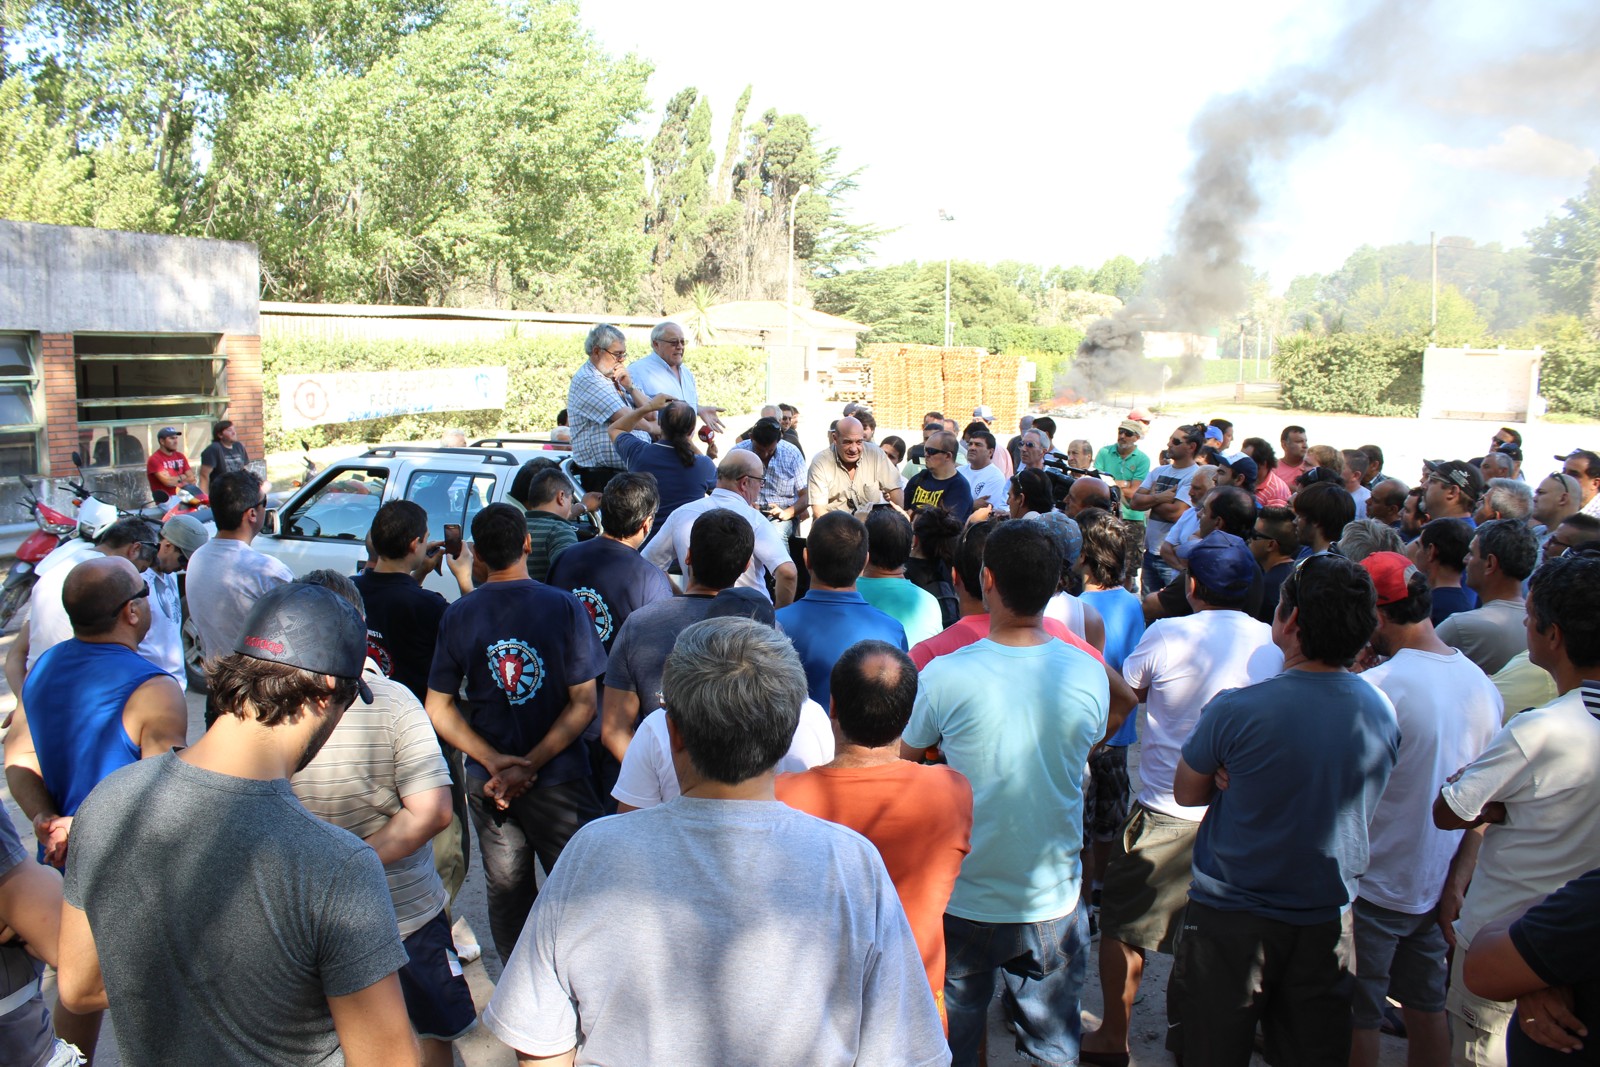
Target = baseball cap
(1213,434)
(984,412)
(1584,454)
(1068,537)
(1313,475)
(1133,426)
(1391,572)
(185,532)
(738,603)
(1140,415)
(1506,448)
(1242,466)
(1221,562)
(309,627)
(167,431)
(1463,476)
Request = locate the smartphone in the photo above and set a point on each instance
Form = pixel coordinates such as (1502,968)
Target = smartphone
(452,539)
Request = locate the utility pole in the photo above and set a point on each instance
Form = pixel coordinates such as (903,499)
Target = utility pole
(949,334)
(1258,351)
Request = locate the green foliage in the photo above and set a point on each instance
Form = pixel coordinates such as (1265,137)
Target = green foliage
(1366,374)
(540,368)
(1404,305)
(1569,375)
(1565,250)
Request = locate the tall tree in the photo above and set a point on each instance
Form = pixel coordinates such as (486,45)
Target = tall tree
(1565,251)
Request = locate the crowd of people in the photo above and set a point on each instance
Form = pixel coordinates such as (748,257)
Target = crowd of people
(861,724)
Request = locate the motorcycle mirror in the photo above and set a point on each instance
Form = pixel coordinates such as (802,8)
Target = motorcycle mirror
(77,460)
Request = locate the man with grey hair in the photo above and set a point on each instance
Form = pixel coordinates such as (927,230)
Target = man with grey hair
(1502,555)
(827,962)
(663,371)
(600,393)
(1363,537)
(1497,464)
(1505,498)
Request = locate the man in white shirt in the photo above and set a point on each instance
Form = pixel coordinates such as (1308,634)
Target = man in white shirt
(1534,790)
(739,478)
(987,479)
(1448,711)
(1178,665)
(664,371)
(1164,493)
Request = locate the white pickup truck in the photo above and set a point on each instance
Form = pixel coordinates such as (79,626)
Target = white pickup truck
(325,522)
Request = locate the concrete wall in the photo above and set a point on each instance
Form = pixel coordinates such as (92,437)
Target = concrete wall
(68,279)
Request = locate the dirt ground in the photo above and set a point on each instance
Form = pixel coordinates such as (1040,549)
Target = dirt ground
(1406,442)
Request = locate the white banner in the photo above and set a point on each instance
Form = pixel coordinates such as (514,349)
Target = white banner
(315,399)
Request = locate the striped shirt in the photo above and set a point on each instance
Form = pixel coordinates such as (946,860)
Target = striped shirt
(786,476)
(377,755)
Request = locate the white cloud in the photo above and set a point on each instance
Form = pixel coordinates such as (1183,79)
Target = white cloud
(1520,150)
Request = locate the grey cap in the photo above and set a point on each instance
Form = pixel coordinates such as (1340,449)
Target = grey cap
(1068,537)
(185,532)
(309,627)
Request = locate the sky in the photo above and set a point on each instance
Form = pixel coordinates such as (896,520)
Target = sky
(1060,133)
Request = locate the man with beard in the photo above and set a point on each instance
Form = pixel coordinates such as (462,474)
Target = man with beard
(223,921)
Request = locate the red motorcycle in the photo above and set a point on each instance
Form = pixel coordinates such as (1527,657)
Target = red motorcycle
(53,526)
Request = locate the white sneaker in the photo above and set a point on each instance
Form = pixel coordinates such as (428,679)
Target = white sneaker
(467,947)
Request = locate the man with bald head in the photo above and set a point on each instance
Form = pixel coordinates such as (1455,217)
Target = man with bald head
(93,704)
(739,478)
(1087,493)
(1555,500)
(852,474)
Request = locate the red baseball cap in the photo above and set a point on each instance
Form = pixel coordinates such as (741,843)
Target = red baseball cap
(1391,574)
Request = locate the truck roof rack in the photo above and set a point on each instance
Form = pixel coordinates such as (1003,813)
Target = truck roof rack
(483,455)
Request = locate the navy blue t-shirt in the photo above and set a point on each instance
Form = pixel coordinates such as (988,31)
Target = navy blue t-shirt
(1450,599)
(677,484)
(1308,755)
(519,645)
(1556,939)
(953,493)
(611,580)
(402,626)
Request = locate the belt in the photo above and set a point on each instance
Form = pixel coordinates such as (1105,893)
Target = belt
(19,997)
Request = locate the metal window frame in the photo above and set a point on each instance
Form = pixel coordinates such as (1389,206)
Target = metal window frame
(37,427)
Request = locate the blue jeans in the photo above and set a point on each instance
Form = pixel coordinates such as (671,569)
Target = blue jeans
(1155,574)
(1042,964)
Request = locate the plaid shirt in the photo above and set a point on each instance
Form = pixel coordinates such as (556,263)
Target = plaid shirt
(592,399)
(786,476)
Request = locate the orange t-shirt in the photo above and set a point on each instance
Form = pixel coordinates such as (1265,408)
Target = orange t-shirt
(920,819)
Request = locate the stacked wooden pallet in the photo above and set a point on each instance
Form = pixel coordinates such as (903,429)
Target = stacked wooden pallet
(888,398)
(963,370)
(907,381)
(1003,392)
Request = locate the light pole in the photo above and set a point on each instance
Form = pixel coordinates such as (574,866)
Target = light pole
(949,336)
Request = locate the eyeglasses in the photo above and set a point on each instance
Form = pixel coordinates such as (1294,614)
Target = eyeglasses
(261,505)
(140,595)
(937,452)
(679,343)
(617,357)
(1126,433)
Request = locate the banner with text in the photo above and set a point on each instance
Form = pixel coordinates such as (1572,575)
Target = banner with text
(315,399)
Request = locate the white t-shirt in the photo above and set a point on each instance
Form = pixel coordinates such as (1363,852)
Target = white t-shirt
(1448,712)
(1187,526)
(1362,494)
(648,777)
(722,932)
(990,482)
(1183,663)
(48,624)
(1160,480)
(163,645)
(1541,765)
(1068,611)
(672,542)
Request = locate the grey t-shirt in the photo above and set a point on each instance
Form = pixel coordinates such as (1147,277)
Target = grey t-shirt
(225,915)
(225,578)
(1490,634)
(644,642)
(25,1035)
(787,924)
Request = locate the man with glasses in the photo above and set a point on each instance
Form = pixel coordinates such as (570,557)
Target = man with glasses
(600,393)
(1126,465)
(941,484)
(852,475)
(226,575)
(1164,496)
(663,371)
(739,478)
(1583,467)
(1555,499)
(1574,532)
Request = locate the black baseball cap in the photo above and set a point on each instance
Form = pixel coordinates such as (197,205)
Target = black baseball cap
(309,627)
(1464,476)
(1584,454)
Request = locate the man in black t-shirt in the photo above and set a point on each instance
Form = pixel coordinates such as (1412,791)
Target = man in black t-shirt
(223,454)
(529,657)
(940,484)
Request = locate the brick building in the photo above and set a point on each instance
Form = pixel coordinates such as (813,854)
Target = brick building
(107,336)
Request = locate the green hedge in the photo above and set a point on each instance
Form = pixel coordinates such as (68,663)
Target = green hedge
(1569,376)
(1361,373)
(541,367)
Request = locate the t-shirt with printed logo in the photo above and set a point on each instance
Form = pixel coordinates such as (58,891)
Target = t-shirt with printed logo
(519,646)
(402,627)
(953,493)
(611,580)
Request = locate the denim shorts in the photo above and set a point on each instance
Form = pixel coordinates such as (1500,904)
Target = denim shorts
(1397,955)
(1042,966)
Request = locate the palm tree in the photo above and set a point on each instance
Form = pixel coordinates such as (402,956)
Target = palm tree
(697,320)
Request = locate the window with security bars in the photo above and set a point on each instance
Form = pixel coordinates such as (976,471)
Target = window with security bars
(20,422)
(130,386)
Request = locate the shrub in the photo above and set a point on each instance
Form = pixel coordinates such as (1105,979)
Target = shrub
(1362,373)
(540,368)
(1569,375)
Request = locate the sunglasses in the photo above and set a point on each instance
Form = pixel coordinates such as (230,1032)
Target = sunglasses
(937,452)
(140,595)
